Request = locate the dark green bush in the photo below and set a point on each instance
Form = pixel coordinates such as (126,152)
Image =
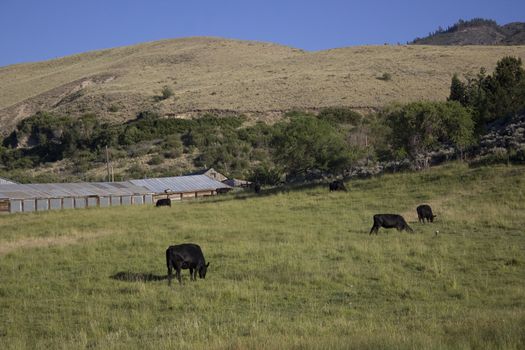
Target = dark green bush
(309,143)
(114,108)
(167,92)
(340,115)
(419,127)
(156,160)
(266,175)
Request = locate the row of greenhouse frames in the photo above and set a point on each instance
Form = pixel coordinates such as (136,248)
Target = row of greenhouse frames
(16,198)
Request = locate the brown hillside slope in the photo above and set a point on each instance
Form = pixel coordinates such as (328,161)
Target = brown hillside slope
(243,76)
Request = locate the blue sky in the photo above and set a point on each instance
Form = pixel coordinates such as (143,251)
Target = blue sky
(35,30)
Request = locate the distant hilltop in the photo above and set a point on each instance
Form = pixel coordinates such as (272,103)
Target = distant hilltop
(185,77)
(477,31)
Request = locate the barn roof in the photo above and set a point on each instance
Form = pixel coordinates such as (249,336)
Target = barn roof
(211,173)
(236,182)
(62,190)
(180,184)
(6,181)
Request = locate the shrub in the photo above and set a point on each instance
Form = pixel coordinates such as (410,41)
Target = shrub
(340,115)
(308,143)
(385,77)
(166,92)
(156,160)
(266,175)
(417,128)
(135,171)
(113,108)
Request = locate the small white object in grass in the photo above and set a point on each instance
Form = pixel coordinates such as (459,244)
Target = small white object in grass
(437,231)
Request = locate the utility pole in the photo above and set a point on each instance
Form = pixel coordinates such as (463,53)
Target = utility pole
(367,150)
(107,164)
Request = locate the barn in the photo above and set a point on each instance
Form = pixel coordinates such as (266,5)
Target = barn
(6,181)
(237,183)
(15,198)
(211,173)
(182,187)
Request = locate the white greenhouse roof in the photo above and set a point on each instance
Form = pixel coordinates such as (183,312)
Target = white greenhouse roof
(180,184)
(61,190)
(6,181)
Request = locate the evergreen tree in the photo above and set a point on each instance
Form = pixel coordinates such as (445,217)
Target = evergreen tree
(458,91)
(506,88)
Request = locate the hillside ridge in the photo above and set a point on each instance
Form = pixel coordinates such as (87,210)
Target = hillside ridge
(214,74)
(477,31)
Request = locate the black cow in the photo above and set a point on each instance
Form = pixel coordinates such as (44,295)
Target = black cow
(163,202)
(185,256)
(389,221)
(425,212)
(337,185)
(257,187)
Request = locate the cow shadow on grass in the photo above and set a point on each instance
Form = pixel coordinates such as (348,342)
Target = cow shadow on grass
(137,277)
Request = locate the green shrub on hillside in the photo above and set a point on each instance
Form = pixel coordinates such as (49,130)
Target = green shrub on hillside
(167,92)
(419,127)
(340,115)
(266,175)
(308,143)
(156,160)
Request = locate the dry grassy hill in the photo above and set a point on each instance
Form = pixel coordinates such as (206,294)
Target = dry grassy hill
(255,78)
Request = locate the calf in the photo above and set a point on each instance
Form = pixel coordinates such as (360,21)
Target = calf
(163,202)
(389,221)
(425,212)
(337,185)
(185,256)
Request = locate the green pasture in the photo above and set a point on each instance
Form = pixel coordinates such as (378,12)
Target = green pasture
(290,268)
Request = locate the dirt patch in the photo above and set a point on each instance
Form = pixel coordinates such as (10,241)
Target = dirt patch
(28,243)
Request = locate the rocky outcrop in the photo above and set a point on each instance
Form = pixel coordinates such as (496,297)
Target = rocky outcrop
(510,136)
(503,142)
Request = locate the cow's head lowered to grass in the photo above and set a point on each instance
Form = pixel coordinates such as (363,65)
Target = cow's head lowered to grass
(202,270)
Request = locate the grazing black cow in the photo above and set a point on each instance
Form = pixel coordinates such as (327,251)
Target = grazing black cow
(163,202)
(337,185)
(389,221)
(425,212)
(185,256)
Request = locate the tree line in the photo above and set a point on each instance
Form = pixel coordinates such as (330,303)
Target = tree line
(302,143)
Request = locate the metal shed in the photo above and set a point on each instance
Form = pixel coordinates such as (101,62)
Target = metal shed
(182,187)
(211,173)
(6,181)
(40,197)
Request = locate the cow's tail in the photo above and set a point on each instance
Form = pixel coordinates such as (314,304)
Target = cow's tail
(169,264)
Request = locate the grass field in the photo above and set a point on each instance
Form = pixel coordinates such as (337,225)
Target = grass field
(290,269)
